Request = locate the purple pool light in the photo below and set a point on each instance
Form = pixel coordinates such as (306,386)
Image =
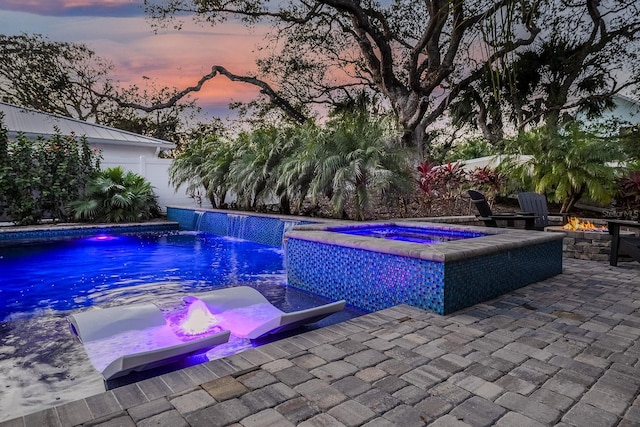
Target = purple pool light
(102,238)
(421,235)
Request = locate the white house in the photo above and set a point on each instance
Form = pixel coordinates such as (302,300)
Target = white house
(131,151)
(626,110)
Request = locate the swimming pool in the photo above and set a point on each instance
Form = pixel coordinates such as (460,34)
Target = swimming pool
(41,282)
(75,273)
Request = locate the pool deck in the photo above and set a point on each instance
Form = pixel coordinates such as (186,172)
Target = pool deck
(563,352)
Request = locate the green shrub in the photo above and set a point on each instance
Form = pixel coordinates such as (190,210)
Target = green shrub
(116,195)
(39,178)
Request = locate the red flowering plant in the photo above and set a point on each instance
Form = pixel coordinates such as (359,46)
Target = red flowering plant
(487,180)
(449,181)
(426,177)
(426,184)
(627,199)
(442,182)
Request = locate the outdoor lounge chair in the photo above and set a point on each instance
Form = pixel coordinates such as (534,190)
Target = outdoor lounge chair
(491,220)
(119,340)
(483,207)
(536,203)
(248,314)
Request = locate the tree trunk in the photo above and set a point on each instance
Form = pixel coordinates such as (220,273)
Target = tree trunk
(285,205)
(570,203)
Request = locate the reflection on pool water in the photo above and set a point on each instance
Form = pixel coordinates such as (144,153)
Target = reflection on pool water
(422,235)
(41,282)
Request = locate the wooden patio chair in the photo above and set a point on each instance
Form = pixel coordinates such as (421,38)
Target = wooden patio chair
(536,204)
(483,207)
(490,219)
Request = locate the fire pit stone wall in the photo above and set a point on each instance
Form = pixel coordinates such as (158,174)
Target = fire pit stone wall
(590,245)
(594,245)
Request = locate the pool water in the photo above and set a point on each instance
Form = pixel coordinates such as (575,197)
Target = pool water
(76,273)
(425,236)
(41,282)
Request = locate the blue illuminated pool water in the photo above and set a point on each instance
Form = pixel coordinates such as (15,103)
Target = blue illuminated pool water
(69,274)
(41,282)
(408,234)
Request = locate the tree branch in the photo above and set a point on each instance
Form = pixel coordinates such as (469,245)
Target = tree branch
(265,89)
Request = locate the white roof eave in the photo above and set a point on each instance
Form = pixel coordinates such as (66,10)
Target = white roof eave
(33,124)
(162,146)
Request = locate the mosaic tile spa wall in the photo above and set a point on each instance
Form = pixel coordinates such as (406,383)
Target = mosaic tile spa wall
(373,281)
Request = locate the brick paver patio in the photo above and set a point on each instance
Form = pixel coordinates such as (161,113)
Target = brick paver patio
(560,352)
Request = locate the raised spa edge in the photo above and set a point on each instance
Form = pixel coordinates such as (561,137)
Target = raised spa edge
(373,274)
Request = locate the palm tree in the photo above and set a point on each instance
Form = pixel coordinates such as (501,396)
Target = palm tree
(358,159)
(255,173)
(204,163)
(249,172)
(297,170)
(569,164)
(116,195)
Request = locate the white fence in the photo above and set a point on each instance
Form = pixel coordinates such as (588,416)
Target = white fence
(156,171)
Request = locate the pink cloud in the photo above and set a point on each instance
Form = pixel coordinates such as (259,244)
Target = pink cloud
(75,7)
(170,58)
(180,59)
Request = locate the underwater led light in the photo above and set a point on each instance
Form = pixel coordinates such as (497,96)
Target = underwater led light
(198,319)
(102,238)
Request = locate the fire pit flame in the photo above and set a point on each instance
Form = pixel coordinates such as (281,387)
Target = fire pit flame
(576,224)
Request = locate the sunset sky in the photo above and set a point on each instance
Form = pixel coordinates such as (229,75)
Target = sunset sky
(118,30)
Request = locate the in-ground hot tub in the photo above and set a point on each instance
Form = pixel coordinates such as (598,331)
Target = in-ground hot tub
(426,236)
(466,265)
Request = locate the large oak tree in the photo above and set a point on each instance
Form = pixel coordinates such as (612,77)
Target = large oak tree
(419,54)
(587,52)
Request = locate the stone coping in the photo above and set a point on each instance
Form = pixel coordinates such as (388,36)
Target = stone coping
(465,219)
(78,225)
(264,215)
(496,240)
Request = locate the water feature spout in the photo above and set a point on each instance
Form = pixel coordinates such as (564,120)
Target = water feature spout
(198,219)
(237,226)
(286,226)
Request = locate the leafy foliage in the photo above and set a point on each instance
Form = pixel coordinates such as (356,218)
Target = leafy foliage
(204,163)
(116,195)
(470,149)
(51,76)
(568,165)
(40,178)
(255,170)
(357,159)
(444,184)
(69,79)
(628,195)
(585,54)
(487,180)
(347,161)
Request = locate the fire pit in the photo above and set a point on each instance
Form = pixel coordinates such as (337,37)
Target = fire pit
(585,240)
(576,224)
